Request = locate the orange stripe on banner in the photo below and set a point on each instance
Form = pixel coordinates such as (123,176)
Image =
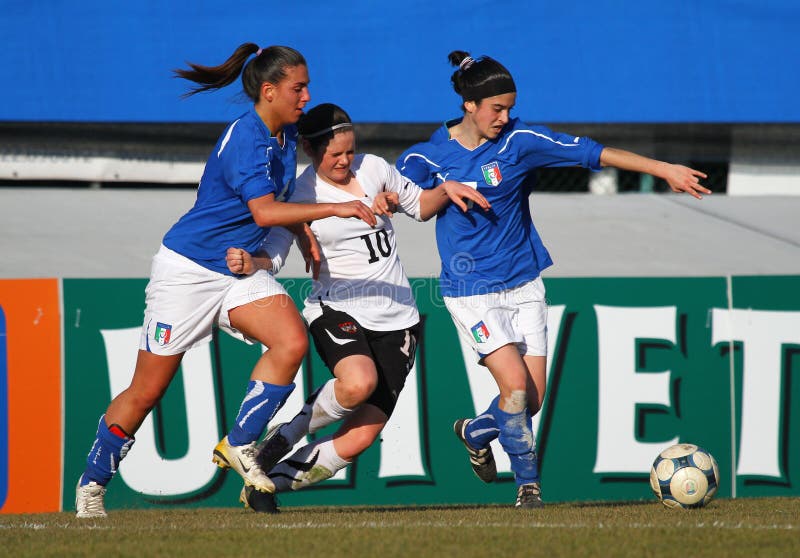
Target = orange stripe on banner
(33,337)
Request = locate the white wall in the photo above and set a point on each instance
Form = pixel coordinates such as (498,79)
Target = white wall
(49,232)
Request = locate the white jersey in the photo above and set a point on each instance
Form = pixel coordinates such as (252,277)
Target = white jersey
(360,271)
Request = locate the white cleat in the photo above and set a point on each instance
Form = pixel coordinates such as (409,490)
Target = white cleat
(89,501)
(242,459)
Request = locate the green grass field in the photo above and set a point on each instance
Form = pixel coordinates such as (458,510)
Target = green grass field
(742,527)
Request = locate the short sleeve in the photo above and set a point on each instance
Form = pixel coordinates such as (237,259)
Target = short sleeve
(542,147)
(246,164)
(414,165)
(408,192)
(277,244)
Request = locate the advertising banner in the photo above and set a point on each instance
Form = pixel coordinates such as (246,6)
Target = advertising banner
(557,52)
(635,365)
(30,396)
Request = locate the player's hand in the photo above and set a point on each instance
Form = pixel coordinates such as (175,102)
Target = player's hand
(386,203)
(239,261)
(356,209)
(458,192)
(309,247)
(684,179)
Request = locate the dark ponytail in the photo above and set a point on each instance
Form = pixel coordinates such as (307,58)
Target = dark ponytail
(318,125)
(477,79)
(269,65)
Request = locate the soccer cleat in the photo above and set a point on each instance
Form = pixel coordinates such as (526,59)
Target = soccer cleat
(274,447)
(89,501)
(242,459)
(262,502)
(529,496)
(482,460)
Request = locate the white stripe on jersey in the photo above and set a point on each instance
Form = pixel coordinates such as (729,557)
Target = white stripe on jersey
(227,137)
(423,157)
(511,135)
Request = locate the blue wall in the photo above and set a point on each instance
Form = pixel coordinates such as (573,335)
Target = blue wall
(578,61)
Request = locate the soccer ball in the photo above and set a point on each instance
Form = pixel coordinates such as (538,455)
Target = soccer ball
(684,476)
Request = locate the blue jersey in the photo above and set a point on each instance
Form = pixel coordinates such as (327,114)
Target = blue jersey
(247,163)
(500,249)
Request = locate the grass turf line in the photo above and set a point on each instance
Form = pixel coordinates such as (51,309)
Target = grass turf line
(742,527)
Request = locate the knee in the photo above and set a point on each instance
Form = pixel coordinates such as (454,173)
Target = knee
(515,401)
(293,347)
(299,346)
(357,388)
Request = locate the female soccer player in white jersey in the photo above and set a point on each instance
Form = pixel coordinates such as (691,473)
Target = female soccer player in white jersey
(492,262)
(361,312)
(248,178)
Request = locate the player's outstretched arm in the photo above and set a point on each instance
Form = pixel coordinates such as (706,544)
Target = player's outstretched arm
(432,201)
(679,177)
(267,212)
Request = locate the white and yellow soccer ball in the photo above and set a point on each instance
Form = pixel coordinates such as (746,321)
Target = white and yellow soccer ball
(684,476)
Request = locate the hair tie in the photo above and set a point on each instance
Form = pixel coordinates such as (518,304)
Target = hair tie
(329,129)
(466,63)
(258,52)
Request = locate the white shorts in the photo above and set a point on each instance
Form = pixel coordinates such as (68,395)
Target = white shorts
(184,300)
(490,321)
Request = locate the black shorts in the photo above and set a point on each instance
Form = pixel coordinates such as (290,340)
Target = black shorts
(338,335)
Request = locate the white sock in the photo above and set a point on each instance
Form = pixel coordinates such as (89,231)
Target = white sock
(324,410)
(313,463)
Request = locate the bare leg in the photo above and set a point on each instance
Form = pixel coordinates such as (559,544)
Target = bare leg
(509,371)
(537,381)
(358,431)
(151,378)
(275,322)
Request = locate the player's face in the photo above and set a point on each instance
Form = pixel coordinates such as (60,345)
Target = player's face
(491,114)
(333,164)
(291,94)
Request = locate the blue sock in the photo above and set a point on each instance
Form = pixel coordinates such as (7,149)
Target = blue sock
(259,406)
(516,438)
(111,445)
(481,430)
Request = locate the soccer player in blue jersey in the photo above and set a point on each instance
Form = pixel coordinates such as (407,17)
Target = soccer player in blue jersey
(243,192)
(492,261)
